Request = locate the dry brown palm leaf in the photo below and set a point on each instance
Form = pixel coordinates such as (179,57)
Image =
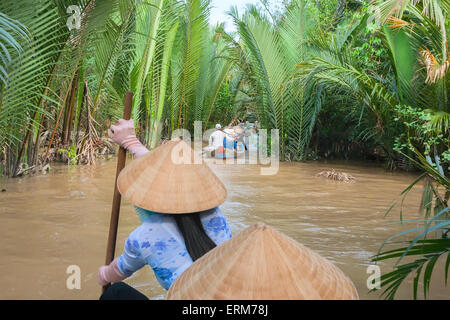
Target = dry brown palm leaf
(336,175)
(88,145)
(396,23)
(435,71)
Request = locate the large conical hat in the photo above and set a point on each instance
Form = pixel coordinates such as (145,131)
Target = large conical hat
(261,263)
(167,180)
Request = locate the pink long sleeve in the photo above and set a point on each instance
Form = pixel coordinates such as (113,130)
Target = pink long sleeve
(133,145)
(123,134)
(110,273)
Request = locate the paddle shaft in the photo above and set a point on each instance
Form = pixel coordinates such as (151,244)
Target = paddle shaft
(114,222)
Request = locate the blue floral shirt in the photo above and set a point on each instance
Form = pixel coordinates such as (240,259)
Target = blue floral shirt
(158,243)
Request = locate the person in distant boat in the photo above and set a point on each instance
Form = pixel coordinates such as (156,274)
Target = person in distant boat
(230,142)
(178,206)
(216,141)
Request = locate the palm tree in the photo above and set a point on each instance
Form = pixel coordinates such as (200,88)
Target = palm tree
(432,241)
(199,65)
(44,75)
(272,49)
(163,51)
(416,33)
(418,82)
(333,71)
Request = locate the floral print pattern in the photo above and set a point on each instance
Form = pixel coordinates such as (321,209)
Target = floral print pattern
(159,244)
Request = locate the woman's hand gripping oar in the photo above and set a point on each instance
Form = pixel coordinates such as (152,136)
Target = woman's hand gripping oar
(117,197)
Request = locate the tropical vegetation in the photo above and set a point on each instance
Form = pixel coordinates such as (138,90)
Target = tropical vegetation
(339,79)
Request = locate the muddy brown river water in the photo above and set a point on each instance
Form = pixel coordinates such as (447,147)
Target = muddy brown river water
(52,221)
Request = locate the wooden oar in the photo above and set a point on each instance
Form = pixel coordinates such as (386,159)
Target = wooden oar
(117,198)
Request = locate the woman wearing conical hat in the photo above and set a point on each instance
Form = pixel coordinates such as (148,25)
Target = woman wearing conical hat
(177,203)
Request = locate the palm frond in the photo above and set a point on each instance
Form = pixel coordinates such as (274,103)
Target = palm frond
(10,29)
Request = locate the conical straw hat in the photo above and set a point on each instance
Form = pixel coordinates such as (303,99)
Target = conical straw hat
(167,180)
(261,263)
(238,129)
(229,131)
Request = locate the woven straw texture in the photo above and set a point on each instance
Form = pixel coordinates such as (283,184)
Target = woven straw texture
(261,263)
(167,180)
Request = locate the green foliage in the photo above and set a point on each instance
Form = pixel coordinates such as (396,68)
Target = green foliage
(10,29)
(71,153)
(428,251)
(315,70)
(434,206)
(224,111)
(153,48)
(420,134)
(370,53)
(269,52)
